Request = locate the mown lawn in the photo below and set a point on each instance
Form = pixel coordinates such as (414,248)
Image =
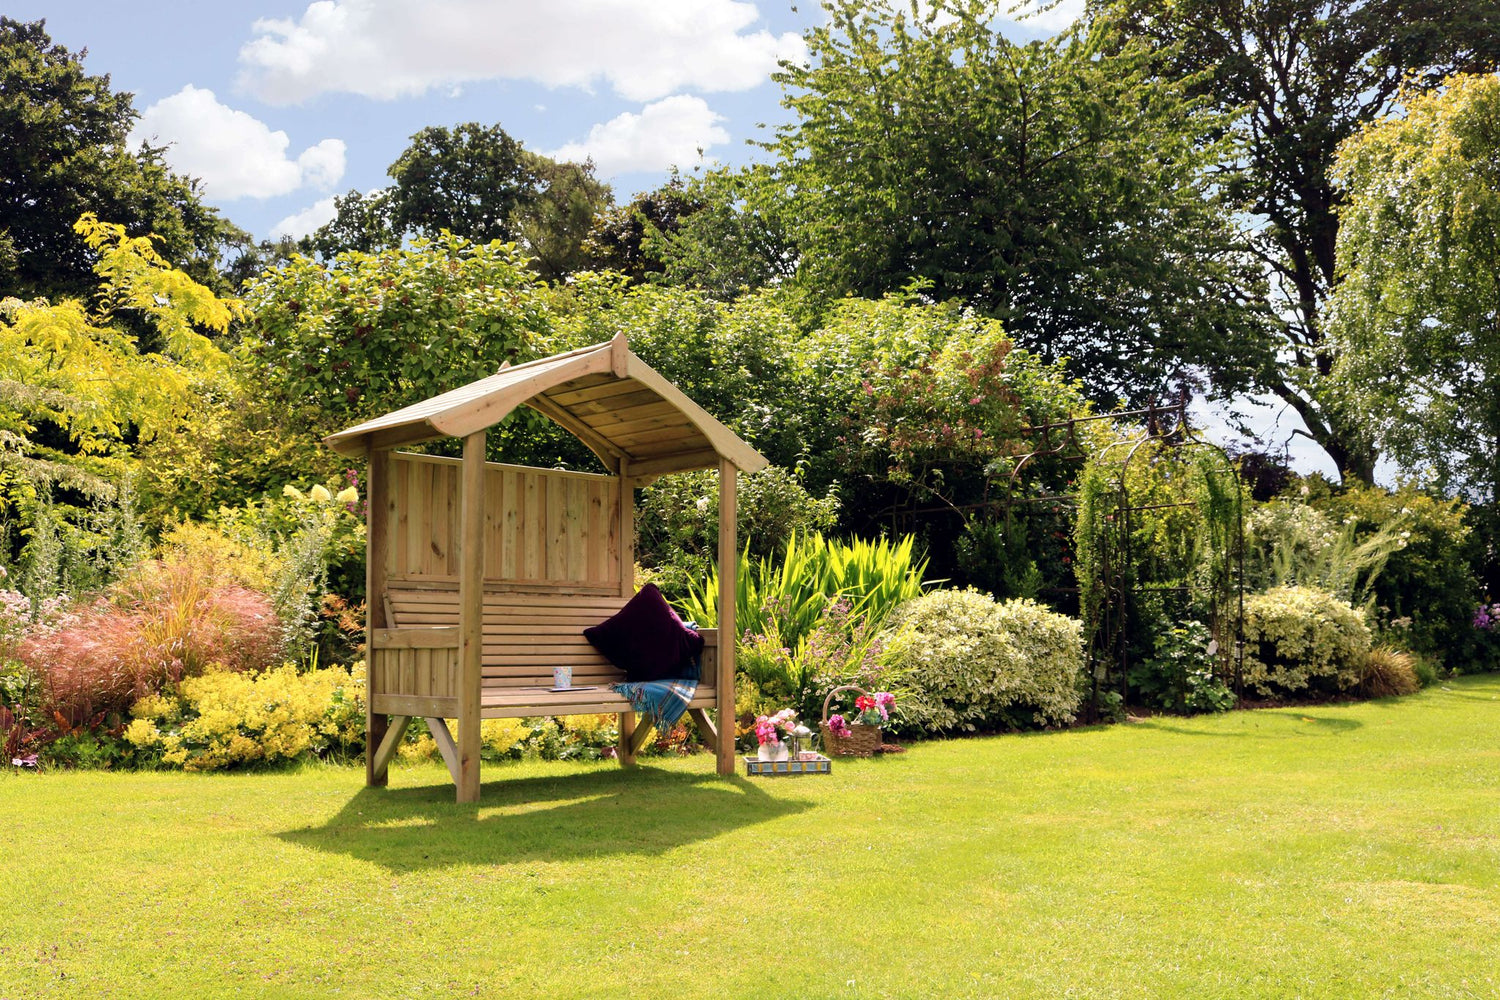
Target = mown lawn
(1348,851)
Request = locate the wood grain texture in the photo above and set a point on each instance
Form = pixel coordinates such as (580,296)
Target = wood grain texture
(542,527)
(377,547)
(471,616)
(728,561)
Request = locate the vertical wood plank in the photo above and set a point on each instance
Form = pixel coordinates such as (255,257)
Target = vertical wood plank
(471,617)
(448,477)
(397,527)
(508,540)
(493,495)
(377,558)
(530,528)
(728,634)
(625,533)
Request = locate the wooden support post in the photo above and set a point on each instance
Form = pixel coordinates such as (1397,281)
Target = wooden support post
(729,560)
(377,545)
(640,737)
(625,750)
(470,615)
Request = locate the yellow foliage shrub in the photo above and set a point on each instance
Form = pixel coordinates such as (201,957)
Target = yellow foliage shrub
(223,719)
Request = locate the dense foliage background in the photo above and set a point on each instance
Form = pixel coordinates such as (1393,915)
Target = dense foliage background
(954,240)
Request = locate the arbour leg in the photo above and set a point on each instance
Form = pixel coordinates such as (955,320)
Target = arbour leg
(625,750)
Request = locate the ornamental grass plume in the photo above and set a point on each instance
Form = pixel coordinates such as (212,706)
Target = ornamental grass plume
(164,622)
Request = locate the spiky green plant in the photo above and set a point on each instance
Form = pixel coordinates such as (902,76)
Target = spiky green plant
(873,576)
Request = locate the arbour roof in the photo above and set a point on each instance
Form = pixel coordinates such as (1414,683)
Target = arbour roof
(604,395)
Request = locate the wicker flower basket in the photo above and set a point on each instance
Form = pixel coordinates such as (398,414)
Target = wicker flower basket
(862,740)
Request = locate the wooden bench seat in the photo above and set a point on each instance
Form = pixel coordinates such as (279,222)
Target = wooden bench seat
(525,636)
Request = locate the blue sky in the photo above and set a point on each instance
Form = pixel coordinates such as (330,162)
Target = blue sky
(277,105)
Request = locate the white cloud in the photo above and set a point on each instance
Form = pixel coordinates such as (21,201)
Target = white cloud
(670,132)
(1055,18)
(644,49)
(304,222)
(235,154)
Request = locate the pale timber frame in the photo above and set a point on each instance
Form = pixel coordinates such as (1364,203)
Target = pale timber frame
(481,577)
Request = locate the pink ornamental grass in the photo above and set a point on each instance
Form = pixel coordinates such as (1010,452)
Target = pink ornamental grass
(166,622)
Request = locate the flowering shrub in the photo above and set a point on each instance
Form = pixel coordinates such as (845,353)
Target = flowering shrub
(1299,640)
(959,661)
(1487,617)
(164,622)
(224,719)
(1183,674)
(315,541)
(840,648)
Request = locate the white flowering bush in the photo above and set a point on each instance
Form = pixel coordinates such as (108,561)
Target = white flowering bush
(1299,640)
(958,661)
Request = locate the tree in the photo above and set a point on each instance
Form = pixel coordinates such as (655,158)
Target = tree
(338,342)
(63,153)
(1297,78)
(735,242)
(471,180)
(77,396)
(555,225)
(361,222)
(618,239)
(1415,318)
(478,183)
(1057,186)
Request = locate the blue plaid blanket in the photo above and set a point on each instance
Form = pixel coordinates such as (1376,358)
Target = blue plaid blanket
(663,702)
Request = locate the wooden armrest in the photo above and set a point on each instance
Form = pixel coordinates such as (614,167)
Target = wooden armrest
(416,637)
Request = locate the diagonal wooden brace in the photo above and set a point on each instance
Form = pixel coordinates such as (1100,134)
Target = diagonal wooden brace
(389,744)
(443,737)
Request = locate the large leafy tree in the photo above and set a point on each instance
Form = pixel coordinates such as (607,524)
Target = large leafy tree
(554,226)
(1416,316)
(78,396)
(333,343)
(1297,78)
(63,152)
(479,183)
(1058,186)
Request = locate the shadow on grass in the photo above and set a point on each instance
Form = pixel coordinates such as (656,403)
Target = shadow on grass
(1323,725)
(568,817)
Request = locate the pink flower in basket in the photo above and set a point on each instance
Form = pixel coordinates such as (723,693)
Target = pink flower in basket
(838,726)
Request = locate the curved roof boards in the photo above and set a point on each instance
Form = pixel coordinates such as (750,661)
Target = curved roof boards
(607,397)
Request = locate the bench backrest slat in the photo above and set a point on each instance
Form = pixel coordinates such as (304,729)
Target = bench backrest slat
(526,635)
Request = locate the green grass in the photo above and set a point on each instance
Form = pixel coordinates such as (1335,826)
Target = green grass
(1348,851)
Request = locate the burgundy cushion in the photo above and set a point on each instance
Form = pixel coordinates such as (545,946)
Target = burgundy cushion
(646,639)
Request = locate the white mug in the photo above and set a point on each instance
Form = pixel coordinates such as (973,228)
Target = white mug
(562,677)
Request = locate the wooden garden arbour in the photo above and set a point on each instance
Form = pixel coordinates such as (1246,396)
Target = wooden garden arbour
(494,570)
